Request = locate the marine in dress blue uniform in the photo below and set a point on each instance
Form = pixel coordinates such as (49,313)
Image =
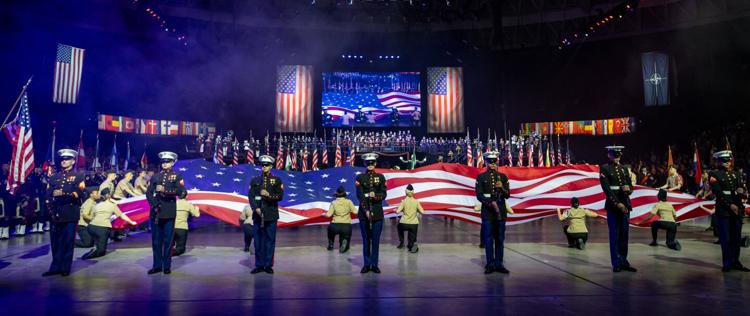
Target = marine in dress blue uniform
(727,186)
(371,191)
(266,190)
(163,191)
(64,198)
(492,188)
(617,186)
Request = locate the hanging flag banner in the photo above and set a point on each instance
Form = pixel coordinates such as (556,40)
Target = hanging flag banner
(124,124)
(613,126)
(655,67)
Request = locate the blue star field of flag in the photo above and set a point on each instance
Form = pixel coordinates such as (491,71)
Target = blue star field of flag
(287,79)
(436,83)
(313,186)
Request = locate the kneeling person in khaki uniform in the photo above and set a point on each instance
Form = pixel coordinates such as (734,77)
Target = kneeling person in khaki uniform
(248,230)
(341,211)
(576,230)
(409,222)
(100,224)
(185,209)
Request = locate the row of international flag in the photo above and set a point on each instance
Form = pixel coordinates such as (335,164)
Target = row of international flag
(124,124)
(613,126)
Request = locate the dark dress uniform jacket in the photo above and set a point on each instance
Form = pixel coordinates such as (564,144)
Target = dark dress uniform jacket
(67,207)
(724,185)
(611,176)
(487,193)
(164,204)
(269,206)
(367,182)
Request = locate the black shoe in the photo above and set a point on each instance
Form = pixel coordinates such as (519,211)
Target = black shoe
(726,270)
(653,244)
(50,273)
(488,269)
(344,247)
(718,242)
(414,249)
(580,244)
(400,245)
(481,246)
(675,246)
(616,269)
(154,271)
(268,270)
(167,271)
(330,246)
(65,273)
(365,269)
(375,269)
(256,271)
(629,269)
(502,270)
(247,249)
(740,267)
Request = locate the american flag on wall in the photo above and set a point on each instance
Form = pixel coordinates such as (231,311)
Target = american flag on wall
(445,95)
(443,190)
(68,69)
(294,99)
(18,133)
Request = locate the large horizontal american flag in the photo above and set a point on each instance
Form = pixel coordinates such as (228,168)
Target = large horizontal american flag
(294,99)
(443,190)
(68,69)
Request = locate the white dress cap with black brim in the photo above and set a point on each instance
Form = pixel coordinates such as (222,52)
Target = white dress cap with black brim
(67,153)
(266,159)
(370,157)
(168,155)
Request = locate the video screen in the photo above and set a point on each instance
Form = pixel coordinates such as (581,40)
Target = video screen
(371,99)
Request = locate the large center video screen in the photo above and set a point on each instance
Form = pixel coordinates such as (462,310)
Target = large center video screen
(371,99)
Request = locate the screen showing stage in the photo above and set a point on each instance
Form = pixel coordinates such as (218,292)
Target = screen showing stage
(371,99)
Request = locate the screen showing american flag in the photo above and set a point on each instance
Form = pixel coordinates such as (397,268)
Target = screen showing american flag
(294,99)
(445,94)
(371,99)
(68,68)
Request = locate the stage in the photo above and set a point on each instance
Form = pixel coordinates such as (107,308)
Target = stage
(445,277)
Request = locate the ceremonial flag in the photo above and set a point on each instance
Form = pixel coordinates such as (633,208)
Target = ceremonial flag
(443,189)
(697,167)
(250,154)
(480,157)
(655,67)
(540,155)
(338,162)
(445,95)
(280,156)
(97,164)
(19,133)
(520,151)
(325,154)
(127,157)
(670,161)
(51,150)
(469,154)
(350,159)
(68,69)
(148,127)
(81,160)
(144,160)
(294,101)
(113,159)
(315,157)
(531,153)
(304,160)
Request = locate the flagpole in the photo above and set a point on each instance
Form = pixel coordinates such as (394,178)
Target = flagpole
(13,108)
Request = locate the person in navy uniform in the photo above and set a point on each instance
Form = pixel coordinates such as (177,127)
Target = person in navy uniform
(266,190)
(64,198)
(371,192)
(617,186)
(163,191)
(492,189)
(729,189)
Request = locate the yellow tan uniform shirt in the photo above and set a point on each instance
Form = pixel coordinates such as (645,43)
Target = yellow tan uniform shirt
(665,211)
(247,215)
(410,207)
(577,217)
(103,212)
(86,214)
(107,184)
(341,209)
(120,189)
(141,185)
(184,209)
